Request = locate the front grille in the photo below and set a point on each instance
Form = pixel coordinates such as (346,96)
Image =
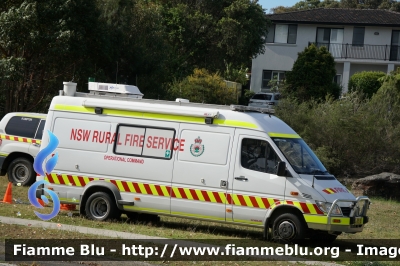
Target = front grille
(346,211)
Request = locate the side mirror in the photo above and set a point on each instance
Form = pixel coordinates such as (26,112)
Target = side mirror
(281,171)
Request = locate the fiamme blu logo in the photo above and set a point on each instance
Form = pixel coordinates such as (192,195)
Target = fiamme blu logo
(38,167)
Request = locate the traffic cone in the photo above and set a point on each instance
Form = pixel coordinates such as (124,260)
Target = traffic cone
(67,207)
(8,196)
(41,202)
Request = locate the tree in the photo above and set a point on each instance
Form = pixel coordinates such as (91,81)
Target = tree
(135,56)
(392,5)
(307,4)
(43,43)
(312,75)
(205,33)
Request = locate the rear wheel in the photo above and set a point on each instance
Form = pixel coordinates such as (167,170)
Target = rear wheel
(288,227)
(100,206)
(20,171)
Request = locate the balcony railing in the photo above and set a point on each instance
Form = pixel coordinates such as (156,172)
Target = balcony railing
(366,51)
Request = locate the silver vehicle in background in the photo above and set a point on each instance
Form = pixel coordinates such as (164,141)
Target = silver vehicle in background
(265,99)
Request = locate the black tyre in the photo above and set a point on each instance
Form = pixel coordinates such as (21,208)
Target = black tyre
(288,227)
(100,206)
(21,171)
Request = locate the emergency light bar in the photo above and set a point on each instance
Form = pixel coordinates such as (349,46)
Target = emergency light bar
(150,109)
(128,90)
(252,108)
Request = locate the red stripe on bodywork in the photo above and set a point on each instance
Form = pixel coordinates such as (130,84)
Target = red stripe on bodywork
(125,185)
(136,186)
(159,190)
(194,194)
(148,189)
(205,196)
(304,207)
(266,202)
(242,201)
(254,202)
(182,192)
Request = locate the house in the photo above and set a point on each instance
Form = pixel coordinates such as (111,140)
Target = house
(358,39)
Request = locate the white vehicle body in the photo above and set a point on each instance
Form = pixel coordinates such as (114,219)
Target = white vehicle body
(195,161)
(20,137)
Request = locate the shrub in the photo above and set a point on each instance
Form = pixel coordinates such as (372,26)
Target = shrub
(353,137)
(203,87)
(312,75)
(366,82)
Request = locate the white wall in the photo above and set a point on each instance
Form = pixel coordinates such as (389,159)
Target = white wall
(281,57)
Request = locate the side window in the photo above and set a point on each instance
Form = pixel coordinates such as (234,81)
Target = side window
(282,33)
(258,155)
(22,126)
(145,141)
(358,36)
(39,132)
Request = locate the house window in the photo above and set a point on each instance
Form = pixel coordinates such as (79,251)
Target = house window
(282,33)
(358,36)
(332,39)
(270,74)
(338,79)
(395,47)
(329,36)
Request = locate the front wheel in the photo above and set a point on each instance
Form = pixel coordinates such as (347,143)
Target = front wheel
(288,227)
(100,207)
(20,171)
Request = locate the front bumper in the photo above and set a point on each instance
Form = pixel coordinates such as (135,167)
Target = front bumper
(353,223)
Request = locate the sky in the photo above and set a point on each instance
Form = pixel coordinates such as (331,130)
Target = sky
(267,4)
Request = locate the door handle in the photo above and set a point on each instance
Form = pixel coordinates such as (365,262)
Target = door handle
(36,144)
(241,178)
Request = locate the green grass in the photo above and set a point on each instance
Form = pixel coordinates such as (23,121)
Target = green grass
(382,215)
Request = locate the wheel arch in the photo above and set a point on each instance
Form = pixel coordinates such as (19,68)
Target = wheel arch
(281,209)
(11,157)
(99,186)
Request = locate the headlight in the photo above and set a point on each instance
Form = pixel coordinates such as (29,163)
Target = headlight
(326,206)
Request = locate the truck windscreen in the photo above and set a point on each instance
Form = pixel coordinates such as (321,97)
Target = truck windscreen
(300,156)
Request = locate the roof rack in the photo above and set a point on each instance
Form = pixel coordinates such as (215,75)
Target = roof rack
(243,108)
(70,90)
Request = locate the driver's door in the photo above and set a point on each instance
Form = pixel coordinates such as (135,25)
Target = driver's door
(255,186)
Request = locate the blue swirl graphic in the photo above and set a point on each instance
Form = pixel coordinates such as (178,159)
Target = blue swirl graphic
(35,202)
(38,166)
(41,156)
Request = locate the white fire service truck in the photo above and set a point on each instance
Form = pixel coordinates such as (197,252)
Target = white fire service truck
(119,153)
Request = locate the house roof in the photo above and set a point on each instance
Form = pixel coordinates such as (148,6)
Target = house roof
(340,16)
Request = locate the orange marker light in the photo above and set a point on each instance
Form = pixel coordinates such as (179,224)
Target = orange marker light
(336,221)
(294,193)
(228,210)
(136,198)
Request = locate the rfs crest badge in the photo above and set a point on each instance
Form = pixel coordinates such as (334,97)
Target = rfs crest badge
(197,148)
